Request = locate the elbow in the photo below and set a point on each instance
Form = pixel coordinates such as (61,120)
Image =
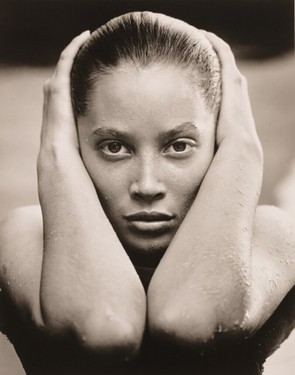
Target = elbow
(107,338)
(199,329)
(116,340)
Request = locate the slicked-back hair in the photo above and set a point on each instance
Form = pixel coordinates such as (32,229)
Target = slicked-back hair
(143,39)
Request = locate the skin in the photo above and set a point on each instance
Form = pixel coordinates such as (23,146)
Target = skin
(150,167)
(62,284)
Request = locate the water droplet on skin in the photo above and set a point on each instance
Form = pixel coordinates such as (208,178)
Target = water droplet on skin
(219,328)
(0,290)
(8,283)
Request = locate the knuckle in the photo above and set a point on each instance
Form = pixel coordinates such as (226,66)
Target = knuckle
(243,80)
(63,55)
(46,86)
(51,87)
(239,78)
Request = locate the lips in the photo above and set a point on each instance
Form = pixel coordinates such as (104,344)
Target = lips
(150,222)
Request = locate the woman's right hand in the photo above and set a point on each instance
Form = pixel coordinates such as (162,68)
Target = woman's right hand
(58,125)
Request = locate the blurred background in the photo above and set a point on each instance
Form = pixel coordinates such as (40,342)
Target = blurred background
(33,33)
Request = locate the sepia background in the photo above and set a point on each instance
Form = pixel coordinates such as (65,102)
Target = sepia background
(32,35)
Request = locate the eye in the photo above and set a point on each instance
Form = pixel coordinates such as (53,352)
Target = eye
(113,148)
(180,147)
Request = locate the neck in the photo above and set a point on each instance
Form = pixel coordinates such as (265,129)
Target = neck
(145,274)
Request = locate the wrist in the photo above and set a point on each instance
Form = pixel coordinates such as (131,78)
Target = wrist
(57,155)
(244,145)
(57,151)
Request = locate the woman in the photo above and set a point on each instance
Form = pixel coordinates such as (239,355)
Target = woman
(148,179)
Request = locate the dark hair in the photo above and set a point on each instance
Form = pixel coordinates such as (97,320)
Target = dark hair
(142,39)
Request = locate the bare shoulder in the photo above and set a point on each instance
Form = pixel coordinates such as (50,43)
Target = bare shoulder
(21,253)
(20,230)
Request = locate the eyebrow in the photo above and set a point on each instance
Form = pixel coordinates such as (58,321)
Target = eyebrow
(107,131)
(164,135)
(182,128)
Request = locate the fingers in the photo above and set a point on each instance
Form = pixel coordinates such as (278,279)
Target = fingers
(223,51)
(64,65)
(232,78)
(58,86)
(235,116)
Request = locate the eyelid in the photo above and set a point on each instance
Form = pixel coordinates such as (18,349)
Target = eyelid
(188,141)
(100,145)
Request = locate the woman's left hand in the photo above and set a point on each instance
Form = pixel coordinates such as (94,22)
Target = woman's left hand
(235,117)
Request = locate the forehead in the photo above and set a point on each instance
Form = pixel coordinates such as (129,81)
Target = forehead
(154,94)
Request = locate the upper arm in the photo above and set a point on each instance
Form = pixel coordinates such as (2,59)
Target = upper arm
(21,253)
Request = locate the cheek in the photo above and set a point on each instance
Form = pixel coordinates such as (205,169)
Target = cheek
(184,188)
(110,184)
(108,181)
(185,182)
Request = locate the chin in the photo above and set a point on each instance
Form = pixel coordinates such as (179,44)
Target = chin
(146,252)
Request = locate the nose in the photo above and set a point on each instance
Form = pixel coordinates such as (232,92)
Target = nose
(147,185)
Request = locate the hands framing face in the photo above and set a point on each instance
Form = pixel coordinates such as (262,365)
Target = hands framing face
(209,283)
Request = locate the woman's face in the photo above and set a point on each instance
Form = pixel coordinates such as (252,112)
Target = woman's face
(147,142)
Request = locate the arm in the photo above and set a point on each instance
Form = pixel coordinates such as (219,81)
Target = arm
(207,281)
(86,285)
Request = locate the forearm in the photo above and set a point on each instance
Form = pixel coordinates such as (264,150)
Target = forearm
(87,283)
(205,273)
(273,263)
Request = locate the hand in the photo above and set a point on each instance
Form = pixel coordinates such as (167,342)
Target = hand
(235,116)
(58,126)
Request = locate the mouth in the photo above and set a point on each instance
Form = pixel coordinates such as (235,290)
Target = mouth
(150,222)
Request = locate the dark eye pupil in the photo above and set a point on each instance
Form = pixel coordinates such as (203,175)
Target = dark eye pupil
(114,147)
(179,146)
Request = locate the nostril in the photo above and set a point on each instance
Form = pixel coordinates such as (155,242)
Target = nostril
(147,181)
(139,192)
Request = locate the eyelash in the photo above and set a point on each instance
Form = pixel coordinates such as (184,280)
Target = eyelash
(186,142)
(117,155)
(108,153)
